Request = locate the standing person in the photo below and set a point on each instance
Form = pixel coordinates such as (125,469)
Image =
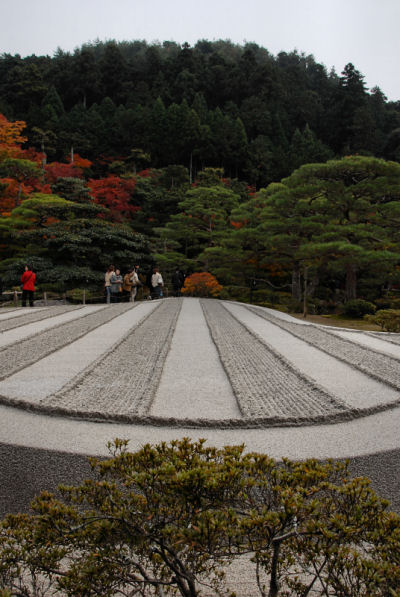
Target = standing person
(148,283)
(157,283)
(127,285)
(135,282)
(107,283)
(116,285)
(177,280)
(28,280)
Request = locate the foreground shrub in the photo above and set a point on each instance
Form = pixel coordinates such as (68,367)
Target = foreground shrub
(387,319)
(202,284)
(358,308)
(168,518)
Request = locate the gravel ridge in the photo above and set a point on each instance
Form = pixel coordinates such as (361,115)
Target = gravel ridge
(32,317)
(383,368)
(146,329)
(264,382)
(28,351)
(392,338)
(134,365)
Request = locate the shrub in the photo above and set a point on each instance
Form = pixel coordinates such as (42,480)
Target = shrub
(202,284)
(167,519)
(358,308)
(387,319)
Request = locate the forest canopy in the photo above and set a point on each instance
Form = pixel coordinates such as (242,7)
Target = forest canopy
(273,174)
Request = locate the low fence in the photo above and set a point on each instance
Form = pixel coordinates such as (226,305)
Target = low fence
(14,297)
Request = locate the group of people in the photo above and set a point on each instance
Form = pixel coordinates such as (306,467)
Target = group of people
(117,287)
(120,288)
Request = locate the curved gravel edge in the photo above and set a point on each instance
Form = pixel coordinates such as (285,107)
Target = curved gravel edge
(243,423)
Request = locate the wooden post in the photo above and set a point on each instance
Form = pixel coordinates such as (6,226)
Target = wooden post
(45,298)
(84,297)
(15,299)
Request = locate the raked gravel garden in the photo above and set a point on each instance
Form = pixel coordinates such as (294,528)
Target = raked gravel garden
(73,378)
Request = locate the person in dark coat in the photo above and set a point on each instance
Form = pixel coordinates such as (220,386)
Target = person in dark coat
(148,283)
(178,280)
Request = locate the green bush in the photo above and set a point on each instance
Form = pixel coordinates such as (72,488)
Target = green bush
(76,295)
(358,308)
(387,319)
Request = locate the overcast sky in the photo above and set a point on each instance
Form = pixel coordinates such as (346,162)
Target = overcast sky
(364,32)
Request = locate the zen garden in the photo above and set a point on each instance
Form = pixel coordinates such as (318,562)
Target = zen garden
(236,434)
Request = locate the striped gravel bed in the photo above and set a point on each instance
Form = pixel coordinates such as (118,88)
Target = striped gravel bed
(25,352)
(379,366)
(33,316)
(266,385)
(122,383)
(387,337)
(372,342)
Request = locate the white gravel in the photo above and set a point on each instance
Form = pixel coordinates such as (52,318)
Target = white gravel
(194,384)
(346,383)
(367,435)
(50,374)
(20,333)
(12,313)
(370,341)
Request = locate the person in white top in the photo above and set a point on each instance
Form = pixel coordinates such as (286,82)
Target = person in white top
(107,283)
(135,283)
(157,283)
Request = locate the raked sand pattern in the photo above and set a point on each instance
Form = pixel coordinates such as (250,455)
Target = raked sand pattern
(74,378)
(144,366)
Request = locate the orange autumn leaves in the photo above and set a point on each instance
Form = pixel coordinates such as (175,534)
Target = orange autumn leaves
(11,137)
(202,284)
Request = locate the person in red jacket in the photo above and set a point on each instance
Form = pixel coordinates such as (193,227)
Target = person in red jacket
(28,279)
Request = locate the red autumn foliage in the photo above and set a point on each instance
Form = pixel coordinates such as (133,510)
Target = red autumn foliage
(202,284)
(56,170)
(79,162)
(115,193)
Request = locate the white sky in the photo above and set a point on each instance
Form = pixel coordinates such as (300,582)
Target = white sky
(364,32)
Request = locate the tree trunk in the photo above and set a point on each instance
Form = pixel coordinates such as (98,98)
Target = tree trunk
(305,293)
(296,283)
(351,282)
(191,168)
(273,585)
